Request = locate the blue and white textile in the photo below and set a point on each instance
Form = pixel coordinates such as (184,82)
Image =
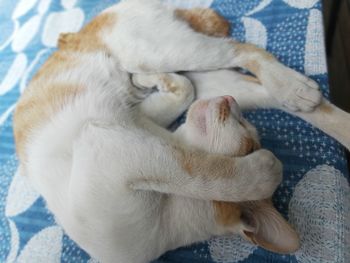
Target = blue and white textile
(314,195)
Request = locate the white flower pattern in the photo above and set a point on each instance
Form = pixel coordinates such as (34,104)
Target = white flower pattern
(318,208)
(20,196)
(45,246)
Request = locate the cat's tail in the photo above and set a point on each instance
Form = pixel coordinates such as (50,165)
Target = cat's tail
(331,120)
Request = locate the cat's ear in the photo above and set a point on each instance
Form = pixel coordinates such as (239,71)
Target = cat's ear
(264,226)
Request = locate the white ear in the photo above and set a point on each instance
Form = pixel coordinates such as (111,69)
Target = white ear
(264,226)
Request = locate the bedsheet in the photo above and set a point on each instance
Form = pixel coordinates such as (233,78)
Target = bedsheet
(314,194)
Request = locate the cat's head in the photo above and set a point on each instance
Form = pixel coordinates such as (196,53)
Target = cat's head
(217,126)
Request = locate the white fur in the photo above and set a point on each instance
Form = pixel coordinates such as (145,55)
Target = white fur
(113,176)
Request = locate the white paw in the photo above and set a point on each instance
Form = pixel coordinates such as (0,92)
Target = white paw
(291,89)
(265,174)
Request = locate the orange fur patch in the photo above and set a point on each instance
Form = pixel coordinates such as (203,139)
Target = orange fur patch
(36,107)
(325,108)
(44,98)
(246,51)
(248,145)
(57,63)
(227,214)
(198,164)
(88,39)
(205,21)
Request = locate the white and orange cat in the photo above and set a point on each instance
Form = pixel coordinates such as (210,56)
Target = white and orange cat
(94,145)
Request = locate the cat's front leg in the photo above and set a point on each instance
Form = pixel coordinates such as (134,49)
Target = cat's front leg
(174,94)
(138,161)
(215,177)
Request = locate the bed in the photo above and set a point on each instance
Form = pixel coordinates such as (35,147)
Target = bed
(314,195)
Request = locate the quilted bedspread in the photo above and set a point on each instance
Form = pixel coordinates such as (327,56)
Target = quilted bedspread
(314,195)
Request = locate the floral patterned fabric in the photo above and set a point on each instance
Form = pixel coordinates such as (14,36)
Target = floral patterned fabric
(314,195)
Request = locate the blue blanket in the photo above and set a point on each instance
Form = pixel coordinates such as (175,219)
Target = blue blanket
(314,195)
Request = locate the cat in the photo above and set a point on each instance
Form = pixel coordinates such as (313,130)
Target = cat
(95,146)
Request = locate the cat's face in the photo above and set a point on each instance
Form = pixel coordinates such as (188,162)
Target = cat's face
(216,125)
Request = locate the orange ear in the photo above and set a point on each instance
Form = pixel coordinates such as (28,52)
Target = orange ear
(264,226)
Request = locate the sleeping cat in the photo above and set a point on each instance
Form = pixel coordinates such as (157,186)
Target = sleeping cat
(96,148)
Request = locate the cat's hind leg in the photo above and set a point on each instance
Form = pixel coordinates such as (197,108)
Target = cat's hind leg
(174,95)
(156,40)
(208,22)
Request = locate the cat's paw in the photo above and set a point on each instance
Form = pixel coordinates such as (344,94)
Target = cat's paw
(265,174)
(291,89)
